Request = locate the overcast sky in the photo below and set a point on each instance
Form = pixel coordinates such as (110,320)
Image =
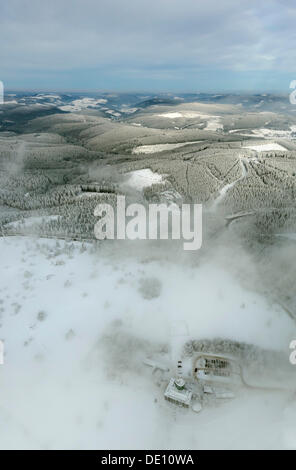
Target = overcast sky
(165,45)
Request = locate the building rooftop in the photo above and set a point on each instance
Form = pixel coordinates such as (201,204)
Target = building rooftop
(182,396)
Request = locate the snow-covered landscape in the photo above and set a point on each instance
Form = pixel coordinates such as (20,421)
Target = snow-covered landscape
(77,325)
(84,322)
(147,229)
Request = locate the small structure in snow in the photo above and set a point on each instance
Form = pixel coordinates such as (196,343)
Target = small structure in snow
(177,393)
(211,368)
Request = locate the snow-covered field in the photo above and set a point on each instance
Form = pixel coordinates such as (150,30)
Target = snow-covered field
(154,148)
(267,133)
(77,325)
(79,104)
(140,179)
(213,122)
(29,222)
(113,113)
(177,114)
(265,147)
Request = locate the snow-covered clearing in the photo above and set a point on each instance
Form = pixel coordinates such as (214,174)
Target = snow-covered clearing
(266,147)
(113,113)
(79,104)
(154,148)
(42,95)
(31,221)
(127,110)
(177,114)
(267,133)
(140,179)
(77,325)
(213,122)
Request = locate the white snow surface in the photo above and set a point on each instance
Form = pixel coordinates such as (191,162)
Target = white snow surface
(31,221)
(177,114)
(266,147)
(268,133)
(79,104)
(154,148)
(74,325)
(140,179)
(213,122)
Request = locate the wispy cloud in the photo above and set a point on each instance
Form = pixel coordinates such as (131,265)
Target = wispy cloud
(150,37)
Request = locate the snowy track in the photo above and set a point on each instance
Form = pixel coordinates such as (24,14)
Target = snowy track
(228,186)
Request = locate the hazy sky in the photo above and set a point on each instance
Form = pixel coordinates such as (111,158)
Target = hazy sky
(173,45)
